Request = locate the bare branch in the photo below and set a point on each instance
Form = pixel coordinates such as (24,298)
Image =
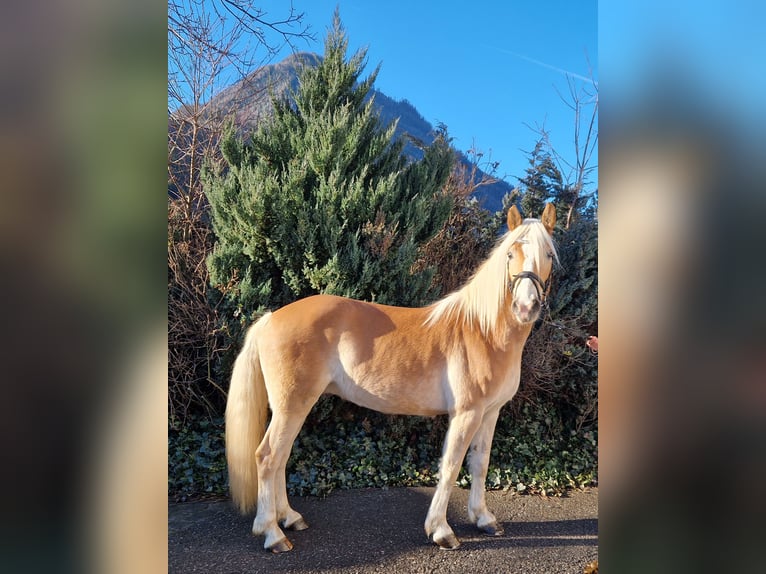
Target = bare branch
(211,44)
(575,171)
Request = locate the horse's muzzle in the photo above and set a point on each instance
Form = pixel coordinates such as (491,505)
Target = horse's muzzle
(527,312)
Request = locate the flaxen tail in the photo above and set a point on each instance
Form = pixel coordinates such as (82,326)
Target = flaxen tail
(246,413)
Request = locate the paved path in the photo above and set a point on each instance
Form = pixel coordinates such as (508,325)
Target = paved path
(377,531)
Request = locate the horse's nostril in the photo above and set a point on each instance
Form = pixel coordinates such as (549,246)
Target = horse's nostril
(528,306)
(528,310)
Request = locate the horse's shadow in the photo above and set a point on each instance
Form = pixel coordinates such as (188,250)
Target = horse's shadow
(353,529)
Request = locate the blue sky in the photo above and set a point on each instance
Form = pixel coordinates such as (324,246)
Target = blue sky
(485,69)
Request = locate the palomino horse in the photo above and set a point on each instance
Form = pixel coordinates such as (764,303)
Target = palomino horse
(460,356)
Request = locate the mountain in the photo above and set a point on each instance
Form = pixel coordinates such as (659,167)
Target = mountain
(249,102)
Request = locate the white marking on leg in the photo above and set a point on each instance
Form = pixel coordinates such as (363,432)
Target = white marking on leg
(461,430)
(478,462)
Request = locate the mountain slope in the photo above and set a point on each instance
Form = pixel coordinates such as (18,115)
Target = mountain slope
(249,102)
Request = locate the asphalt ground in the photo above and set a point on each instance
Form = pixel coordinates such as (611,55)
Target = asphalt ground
(381,530)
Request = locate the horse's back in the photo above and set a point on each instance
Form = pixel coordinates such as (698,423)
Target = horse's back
(328,316)
(315,331)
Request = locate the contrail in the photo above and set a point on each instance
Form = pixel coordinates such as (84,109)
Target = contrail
(544,65)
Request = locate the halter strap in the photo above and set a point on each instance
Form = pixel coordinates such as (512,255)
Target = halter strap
(540,286)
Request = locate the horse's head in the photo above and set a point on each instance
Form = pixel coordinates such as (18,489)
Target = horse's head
(530,260)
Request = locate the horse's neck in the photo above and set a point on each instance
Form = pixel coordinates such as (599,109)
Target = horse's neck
(508,334)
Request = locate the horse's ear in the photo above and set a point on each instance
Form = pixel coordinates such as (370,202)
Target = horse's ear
(514,218)
(549,218)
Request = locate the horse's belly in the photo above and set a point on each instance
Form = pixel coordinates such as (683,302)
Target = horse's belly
(391,397)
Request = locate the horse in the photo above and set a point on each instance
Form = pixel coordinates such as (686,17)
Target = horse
(460,356)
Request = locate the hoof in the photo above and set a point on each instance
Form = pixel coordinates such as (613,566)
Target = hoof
(280,546)
(299,524)
(449,542)
(492,529)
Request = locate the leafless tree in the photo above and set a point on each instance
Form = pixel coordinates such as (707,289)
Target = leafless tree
(211,45)
(583,101)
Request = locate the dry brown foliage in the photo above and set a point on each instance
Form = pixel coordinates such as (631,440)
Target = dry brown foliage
(195,342)
(467,237)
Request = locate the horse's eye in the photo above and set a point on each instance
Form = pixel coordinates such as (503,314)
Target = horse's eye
(510,255)
(550,255)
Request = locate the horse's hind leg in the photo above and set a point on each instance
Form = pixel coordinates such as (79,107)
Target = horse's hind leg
(286,516)
(478,461)
(271,456)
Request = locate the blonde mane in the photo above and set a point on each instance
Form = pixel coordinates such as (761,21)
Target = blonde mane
(480,301)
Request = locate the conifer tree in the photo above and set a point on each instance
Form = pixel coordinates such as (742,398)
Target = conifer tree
(542,183)
(321,198)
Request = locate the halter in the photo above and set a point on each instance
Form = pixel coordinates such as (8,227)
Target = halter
(541,287)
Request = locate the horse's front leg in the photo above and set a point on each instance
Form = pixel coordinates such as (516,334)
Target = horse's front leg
(478,461)
(461,430)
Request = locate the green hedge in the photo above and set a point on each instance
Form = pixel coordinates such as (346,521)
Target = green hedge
(343,446)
